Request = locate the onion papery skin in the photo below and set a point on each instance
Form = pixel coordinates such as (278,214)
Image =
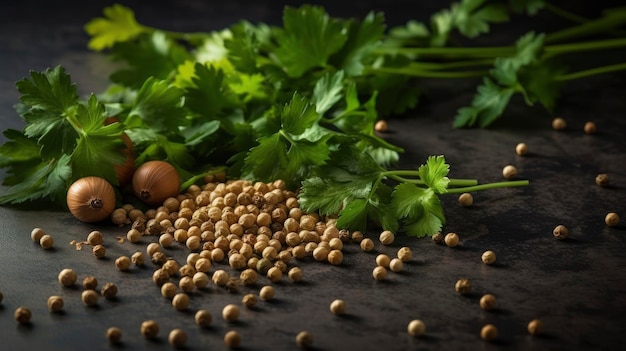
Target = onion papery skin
(91,199)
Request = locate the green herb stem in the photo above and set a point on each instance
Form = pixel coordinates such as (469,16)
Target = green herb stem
(552,50)
(410,71)
(588,28)
(564,13)
(591,72)
(455,52)
(399,174)
(488,186)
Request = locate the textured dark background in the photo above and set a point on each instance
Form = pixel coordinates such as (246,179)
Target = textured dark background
(577,287)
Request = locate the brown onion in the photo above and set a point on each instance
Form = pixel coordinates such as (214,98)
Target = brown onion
(91,199)
(155,181)
(124,171)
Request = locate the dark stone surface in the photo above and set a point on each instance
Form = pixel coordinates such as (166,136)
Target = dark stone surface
(577,286)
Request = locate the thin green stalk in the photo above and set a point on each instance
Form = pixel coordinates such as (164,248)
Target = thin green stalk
(592,72)
(405,172)
(592,27)
(564,13)
(408,71)
(433,66)
(456,52)
(488,186)
(552,50)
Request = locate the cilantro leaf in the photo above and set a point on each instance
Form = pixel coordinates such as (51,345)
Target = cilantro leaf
(363,37)
(158,104)
(298,115)
(250,86)
(208,95)
(487,106)
(265,160)
(197,134)
(43,180)
(434,173)
(472,20)
(310,36)
(354,215)
(419,207)
(328,91)
(118,25)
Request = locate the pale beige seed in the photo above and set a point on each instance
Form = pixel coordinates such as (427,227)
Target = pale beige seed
(133,235)
(463,286)
(180,301)
(590,128)
(267,292)
(274,274)
(160,277)
(560,232)
(249,277)
(466,199)
(488,302)
(295,274)
(488,257)
(489,332)
(220,277)
(232,339)
(109,290)
(451,239)
(338,307)
(611,219)
(22,315)
(335,257)
(149,329)
(123,263)
(381,126)
(46,242)
(166,240)
(171,266)
(405,254)
(114,335)
(36,234)
(249,300)
(320,253)
(203,265)
(396,265)
(203,318)
(138,258)
(559,124)
(153,248)
(387,237)
(602,179)
(230,313)
(99,251)
(201,280)
(367,244)
(521,149)
(67,277)
(535,327)
(177,338)
(89,297)
(379,273)
(186,284)
(416,327)
(55,303)
(356,236)
(90,282)
(383,260)
(509,172)
(304,339)
(169,290)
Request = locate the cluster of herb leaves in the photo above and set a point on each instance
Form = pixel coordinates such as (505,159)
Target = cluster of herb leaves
(296,102)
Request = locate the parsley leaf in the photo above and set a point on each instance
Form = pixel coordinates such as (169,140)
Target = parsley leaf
(363,37)
(328,91)
(298,115)
(159,105)
(434,173)
(419,207)
(40,181)
(118,25)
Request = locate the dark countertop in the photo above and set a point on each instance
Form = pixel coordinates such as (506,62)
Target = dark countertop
(577,287)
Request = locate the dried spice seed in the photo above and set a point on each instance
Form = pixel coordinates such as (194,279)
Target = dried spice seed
(36,234)
(232,339)
(487,302)
(67,277)
(149,329)
(602,179)
(249,300)
(169,290)
(611,219)
(180,301)
(138,258)
(338,307)
(466,199)
(90,282)
(304,339)
(367,245)
(509,172)
(463,286)
(122,263)
(99,251)
(396,265)
(203,318)
(46,242)
(416,328)
(379,273)
(559,124)
(521,149)
(267,293)
(451,239)
(437,238)
(383,260)
(230,313)
(177,338)
(22,315)
(535,327)
(405,254)
(488,257)
(295,274)
(114,335)
(89,297)
(489,332)
(590,128)
(560,232)
(55,303)
(387,237)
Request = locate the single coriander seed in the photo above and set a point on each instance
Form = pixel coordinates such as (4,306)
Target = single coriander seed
(180,301)
(99,251)
(489,332)
(521,149)
(67,277)
(203,318)
(177,337)
(186,284)
(149,329)
(451,239)
(383,260)
(396,265)
(405,254)
(611,219)
(357,236)
(201,280)
(95,238)
(560,232)
(335,257)
(122,263)
(437,238)
(22,315)
(220,277)
(138,258)
(55,303)
(509,172)
(89,297)
(463,286)
(114,335)
(169,290)
(535,327)
(304,339)
(387,237)
(379,273)
(590,128)
(466,199)
(36,234)
(338,307)
(416,328)
(487,302)
(602,179)
(133,235)
(232,339)
(367,244)
(109,290)
(249,300)
(488,257)
(160,277)
(230,313)
(267,293)
(90,282)
(46,242)
(381,126)
(295,274)
(559,124)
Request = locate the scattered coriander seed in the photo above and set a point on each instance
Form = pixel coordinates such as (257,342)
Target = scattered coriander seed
(22,315)
(230,313)
(55,303)
(187,270)
(387,237)
(193,243)
(138,258)
(99,251)
(177,338)
(383,260)
(169,290)
(611,219)
(237,261)
(416,328)
(153,248)
(487,302)
(521,149)
(379,273)
(94,238)
(463,286)
(367,244)
(437,238)
(202,264)
(535,327)
(171,266)
(381,126)
(249,276)
(560,232)
(67,277)
(201,280)
(357,236)
(203,318)
(133,235)
(160,277)
(180,301)
(295,274)
(267,293)
(46,242)
(36,234)
(405,254)
(114,335)
(186,284)
(220,277)
(109,290)
(122,263)
(602,179)
(396,265)
(232,339)
(338,307)
(489,332)
(249,300)
(590,128)
(488,257)
(274,274)
(149,329)
(451,239)
(335,257)
(466,199)
(90,282)
(320,253)
(89,297)
(509,172)
(119,217)
(559,124)
(304,339)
